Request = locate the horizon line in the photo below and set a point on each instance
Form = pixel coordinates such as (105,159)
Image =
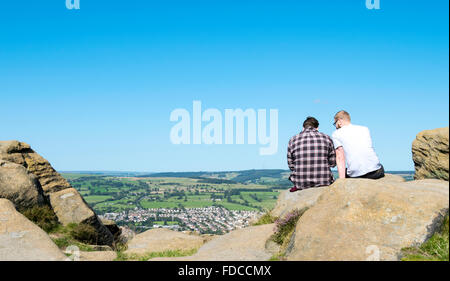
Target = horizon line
(198,171)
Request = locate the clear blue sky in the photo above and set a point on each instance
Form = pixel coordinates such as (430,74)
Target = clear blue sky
(92,89)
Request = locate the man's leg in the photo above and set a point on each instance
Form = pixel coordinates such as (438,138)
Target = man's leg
(378,174)
(294,188)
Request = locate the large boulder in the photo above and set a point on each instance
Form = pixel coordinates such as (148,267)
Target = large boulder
(430,152)
(305,199)
(70,207)
(288,201)
(22,240)
(55,187)
(19,186)
(22,154)
(245,244)
(160,240)
(361,219)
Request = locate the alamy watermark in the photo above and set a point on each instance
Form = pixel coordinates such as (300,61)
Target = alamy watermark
(373,4)
(73,4)
(227,128)
(73,253)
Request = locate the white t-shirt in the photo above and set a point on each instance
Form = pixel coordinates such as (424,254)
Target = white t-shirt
(359,153)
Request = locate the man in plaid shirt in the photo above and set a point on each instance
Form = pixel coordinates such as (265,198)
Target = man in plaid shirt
(310,156)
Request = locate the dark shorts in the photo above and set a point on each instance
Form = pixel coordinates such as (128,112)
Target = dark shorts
(377,174)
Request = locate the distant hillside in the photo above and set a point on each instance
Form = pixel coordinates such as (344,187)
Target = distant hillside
(278,177)
(107,173)
(265,176)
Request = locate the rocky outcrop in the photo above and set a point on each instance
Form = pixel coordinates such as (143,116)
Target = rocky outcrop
(430,152)
(70,207)
(19,186)
(160,240)
(305,199)
(65,201)
(246,244)
(22,154)
(360,219)
(22,240)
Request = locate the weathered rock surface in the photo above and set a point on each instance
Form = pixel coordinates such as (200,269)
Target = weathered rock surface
(22,154)
(160,240)
(246,244)
(55,187)
(430,152)
(288,201)
(391,178)
(70,207)
(305,199)
(22,240)
(19,186)
(360,219)
(97,256)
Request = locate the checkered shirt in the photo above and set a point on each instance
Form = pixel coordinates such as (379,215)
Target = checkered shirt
(310,156)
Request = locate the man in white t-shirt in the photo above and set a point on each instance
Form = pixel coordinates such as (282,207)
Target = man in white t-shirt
(353,146)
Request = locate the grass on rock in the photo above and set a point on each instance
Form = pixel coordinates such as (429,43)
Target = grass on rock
(121,256)
(42,216)
(434,249)
(72,234)
(267,218)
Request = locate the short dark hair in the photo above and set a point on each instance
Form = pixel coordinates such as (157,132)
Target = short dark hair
(311,122)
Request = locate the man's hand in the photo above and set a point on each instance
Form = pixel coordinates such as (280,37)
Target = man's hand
(340,161)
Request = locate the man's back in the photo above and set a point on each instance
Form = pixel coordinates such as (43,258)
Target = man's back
(310,156)
(359,153)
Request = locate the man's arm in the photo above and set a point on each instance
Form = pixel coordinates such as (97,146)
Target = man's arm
(340,161)
(331,154)
(290,158)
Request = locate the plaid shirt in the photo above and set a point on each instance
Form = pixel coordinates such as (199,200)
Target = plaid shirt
(310,156)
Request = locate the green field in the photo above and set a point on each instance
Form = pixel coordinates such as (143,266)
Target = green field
(115,194)
(96,198)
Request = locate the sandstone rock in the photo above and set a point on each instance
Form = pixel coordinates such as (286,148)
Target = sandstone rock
(305,199)
(430,152)
(160,240)
(22,240)
(22,154)
(98,256)
(391,178)
(19,186)
(360,219)
(288,201)
(246,244)
(70,207)
(61,194)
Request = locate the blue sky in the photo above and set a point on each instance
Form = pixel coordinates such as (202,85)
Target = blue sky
(93,89)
